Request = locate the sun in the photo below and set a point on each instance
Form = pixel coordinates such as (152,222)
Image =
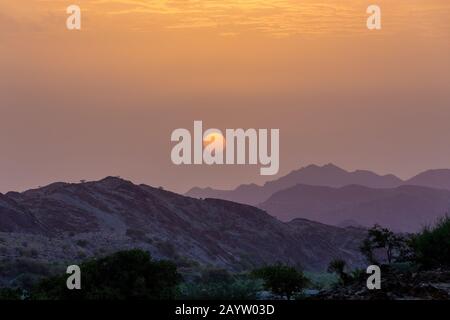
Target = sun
(215,137)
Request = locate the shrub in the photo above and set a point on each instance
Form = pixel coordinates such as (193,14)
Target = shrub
(282,280)
(382,238)
(218,284)
(432,245)
(337,266)
(214,275)
(185,262)
(10,294)
(23,265)
(24,272)
(123,275)
(321,280)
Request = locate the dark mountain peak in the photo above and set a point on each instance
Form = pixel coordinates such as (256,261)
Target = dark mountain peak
(436,178)
(48,189)
(331,166)
(7,197)
(310,166)
(370,174)
(303,221)
(435,172)
(109,183)
(112,181)
(198,190)
(11,194)
(334,176)
(364,172)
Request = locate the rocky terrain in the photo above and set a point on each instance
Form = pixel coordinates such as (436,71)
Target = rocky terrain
(396,285)
(66,222)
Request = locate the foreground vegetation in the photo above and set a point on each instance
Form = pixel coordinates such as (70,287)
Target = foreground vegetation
(135,275)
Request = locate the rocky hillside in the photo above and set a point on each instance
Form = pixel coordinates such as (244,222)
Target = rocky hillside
(69,222)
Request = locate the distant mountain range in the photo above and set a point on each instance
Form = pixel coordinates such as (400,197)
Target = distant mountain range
(405,208)
(328,175)
(439,178)
(324,212)
(63,222)
(394,204)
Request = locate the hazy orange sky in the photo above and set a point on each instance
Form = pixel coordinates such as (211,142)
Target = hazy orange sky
(104,100)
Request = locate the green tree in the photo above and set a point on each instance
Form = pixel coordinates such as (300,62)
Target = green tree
(281,280)
(367,250)
(218,284)
(123,275)
(338,266)
(431,247)
(10,294)
(382,238)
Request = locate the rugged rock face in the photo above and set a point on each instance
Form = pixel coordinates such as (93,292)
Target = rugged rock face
(15,218)
(69,221)
(396,285)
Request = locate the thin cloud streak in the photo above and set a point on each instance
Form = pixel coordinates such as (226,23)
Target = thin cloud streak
(272,17)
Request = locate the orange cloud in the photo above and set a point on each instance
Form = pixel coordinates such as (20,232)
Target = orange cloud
(274,17)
